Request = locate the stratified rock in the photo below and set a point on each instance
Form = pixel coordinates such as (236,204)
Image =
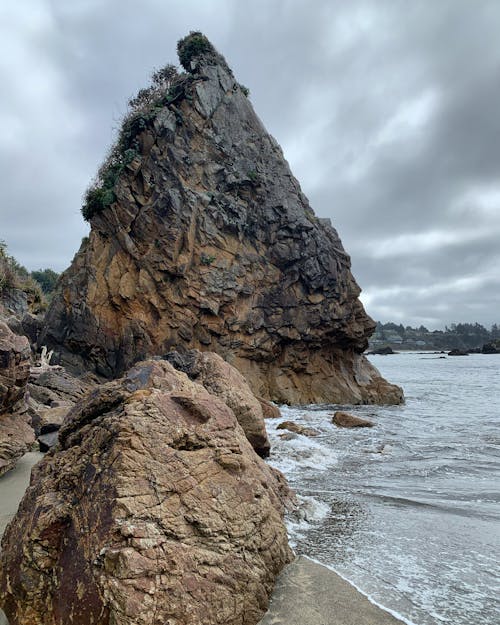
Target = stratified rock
(211,244)
(16,434)
(152,509)
(224,381)
(346,420)
(291,426)
(14,367)
(52,392)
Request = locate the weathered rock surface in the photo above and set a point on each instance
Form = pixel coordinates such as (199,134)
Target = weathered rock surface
(211,244)
(152,509)
(51,394)
(291,426)
(14,367)
(224,381)
(346,420)
(269,410)
(16,434)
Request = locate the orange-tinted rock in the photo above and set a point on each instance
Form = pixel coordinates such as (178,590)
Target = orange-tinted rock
(152,509)
(212,245)
(346,420)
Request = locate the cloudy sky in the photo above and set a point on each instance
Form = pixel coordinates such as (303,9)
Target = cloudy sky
(387,110)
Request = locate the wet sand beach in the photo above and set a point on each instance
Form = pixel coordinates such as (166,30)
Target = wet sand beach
(308,593)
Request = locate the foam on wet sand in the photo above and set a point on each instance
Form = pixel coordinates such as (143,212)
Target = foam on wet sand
(308,593)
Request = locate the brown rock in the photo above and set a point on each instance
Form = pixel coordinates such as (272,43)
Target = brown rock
(16,434)
(269,410)
(152,509)
(346,420)
(15,357)
(51,394)
(224,381)
(211,244)
(291,426)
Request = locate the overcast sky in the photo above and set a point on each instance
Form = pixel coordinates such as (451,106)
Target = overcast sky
(388,112)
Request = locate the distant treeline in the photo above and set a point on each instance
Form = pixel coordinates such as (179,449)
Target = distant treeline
(36,284)
(458,336)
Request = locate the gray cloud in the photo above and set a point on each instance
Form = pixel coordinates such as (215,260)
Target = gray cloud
(386,110)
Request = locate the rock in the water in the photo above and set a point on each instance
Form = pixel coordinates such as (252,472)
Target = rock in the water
(291,426)
(269,410)
(153,508)
(224,381)
(458,352)
(383,351)
(211,244)
(16,434)
(346,420)
(491,348)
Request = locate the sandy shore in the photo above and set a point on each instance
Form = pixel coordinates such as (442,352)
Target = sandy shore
(306,593)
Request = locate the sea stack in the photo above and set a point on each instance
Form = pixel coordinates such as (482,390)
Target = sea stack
(202,238)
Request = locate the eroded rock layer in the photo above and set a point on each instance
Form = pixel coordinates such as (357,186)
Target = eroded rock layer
(211,244)
(16,434)
(152,509)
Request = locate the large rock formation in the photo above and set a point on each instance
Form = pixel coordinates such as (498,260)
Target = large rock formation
(204,239)
(224,381)
(152,509)
(16,434)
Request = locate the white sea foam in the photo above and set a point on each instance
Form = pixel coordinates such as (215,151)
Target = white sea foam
(416,526)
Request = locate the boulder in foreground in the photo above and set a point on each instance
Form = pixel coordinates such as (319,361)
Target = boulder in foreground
(152,509)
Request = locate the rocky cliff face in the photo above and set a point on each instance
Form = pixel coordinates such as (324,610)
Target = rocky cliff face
(16,434)
(205,240)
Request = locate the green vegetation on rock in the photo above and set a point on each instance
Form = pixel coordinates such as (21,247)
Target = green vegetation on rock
(191,47)
(13,276)
(167,86)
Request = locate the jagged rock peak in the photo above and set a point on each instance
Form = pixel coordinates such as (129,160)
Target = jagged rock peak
(202,238)
(195,50)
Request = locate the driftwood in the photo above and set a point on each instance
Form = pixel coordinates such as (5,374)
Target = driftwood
(44,363)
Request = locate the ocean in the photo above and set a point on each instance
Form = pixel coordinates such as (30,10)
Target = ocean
(409,510)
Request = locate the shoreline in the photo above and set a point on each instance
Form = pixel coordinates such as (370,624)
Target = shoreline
(306,592)
(309,593)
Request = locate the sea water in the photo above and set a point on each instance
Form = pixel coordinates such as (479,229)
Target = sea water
(409,510)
